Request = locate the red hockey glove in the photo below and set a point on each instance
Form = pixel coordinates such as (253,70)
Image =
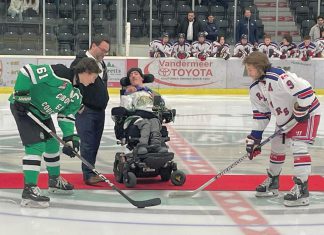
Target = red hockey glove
(181,55)
(202,57)
(283,56)
(252,146)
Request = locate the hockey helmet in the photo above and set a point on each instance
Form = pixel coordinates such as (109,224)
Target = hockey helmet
(202,34)
(165,35)
(181,35)
(244,36)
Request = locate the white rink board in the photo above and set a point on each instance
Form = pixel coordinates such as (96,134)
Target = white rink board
(173,73)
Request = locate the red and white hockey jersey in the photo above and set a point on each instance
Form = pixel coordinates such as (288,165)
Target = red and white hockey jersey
(275,94)
(201,50)
(241,50)
(181,51)
(271,50)
(160,49)
(288,51)
(306,51)
(220,50)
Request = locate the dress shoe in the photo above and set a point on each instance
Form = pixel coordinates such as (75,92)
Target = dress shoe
(93,180)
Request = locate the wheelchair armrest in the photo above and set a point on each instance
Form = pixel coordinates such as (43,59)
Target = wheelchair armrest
(168,115)
(119,111)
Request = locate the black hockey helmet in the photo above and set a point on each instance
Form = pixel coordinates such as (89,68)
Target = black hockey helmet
(244,36)
(202,34)
(181,35)
(165,35)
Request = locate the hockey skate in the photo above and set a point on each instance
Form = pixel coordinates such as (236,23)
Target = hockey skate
(58,185)
(298,195)
(31,198)
(269,187)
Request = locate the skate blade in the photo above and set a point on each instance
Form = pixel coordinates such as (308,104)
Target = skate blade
(299,202)
(273,193)
(60,191)
(33,204)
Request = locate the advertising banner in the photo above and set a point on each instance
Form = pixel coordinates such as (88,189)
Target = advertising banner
(190,73)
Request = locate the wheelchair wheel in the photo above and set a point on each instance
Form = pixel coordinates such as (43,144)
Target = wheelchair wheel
(178,178)
(118,167)
(130,181)
(165,174)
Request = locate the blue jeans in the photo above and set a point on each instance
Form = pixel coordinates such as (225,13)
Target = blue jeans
(89,124)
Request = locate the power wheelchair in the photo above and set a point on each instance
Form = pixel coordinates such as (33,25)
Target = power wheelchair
(130,166)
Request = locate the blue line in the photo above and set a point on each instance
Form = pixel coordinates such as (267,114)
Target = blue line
(164,224)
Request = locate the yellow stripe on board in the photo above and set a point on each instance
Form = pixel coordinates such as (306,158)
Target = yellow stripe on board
(177,91)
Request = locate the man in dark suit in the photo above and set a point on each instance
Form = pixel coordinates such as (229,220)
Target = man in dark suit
(190,27)
(90,120)
(247,26)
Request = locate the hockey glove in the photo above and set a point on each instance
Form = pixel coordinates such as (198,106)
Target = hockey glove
(252,146)
(22,102)
(202,56)
(301,114)
(72,145)
(181,55)
(283,56)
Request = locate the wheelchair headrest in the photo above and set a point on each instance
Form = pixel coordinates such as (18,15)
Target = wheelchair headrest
(148,78)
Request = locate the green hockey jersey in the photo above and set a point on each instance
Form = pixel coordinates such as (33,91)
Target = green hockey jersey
(50,94)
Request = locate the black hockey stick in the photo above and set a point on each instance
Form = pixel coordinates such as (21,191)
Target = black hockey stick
(138,204)
(227,169)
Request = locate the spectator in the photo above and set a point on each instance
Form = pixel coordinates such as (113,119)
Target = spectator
(181,49)
(90,120)
(306,49)
(161,48)
(315,31)
(201,48)
(190,27)
(248,27)
(221,49)
(268,47)
(211,29)
(320,46)
(17,7)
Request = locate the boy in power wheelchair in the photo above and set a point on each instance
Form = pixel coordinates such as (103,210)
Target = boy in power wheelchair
(138,125)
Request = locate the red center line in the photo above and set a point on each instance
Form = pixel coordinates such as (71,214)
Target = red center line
(232,203)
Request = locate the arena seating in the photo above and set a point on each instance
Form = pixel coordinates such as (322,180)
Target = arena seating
(67,21)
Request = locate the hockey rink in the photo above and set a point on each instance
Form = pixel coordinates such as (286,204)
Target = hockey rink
(207,136)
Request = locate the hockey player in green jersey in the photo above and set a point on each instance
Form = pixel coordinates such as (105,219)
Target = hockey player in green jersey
(45,90)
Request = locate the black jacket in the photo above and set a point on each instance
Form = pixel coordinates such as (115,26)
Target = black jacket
(212,30)
(183,27)
(248,27)
(95,96)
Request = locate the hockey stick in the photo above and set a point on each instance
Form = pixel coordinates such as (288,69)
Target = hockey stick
(138,204)
(227,169)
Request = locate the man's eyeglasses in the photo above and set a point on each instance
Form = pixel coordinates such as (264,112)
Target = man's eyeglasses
(105,51)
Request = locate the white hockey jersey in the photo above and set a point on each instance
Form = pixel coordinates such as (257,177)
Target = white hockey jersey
(288,51)
(220,51)
(159,49)
(276,94)
(271,50)
(181,51)
(241,50)
(319,47)
(198,48)
(306,52)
